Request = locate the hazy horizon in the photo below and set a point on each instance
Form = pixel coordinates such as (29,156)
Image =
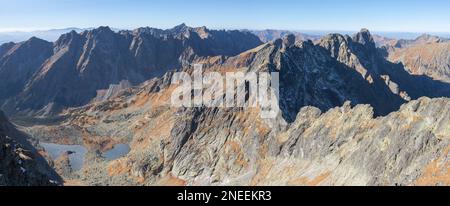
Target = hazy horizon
(24,30)
(53,34)
(414,16)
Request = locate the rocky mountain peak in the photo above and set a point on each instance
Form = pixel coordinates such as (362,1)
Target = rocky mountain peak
(100,32)
(305,44)
(31,43)
(34,39)
(334,39)
(65,39)
(340,46)
(21,164)
(5,48)
(105,57)
(334,43)
(182,28)
(105,29)
(73,32)
(35,44)
(289,40)
(365,38)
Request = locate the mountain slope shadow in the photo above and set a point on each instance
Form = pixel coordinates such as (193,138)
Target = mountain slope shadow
(21,163)
(327,85)
(339,69)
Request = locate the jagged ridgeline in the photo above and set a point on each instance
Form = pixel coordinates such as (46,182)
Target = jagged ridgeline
(348,115)
(43,77)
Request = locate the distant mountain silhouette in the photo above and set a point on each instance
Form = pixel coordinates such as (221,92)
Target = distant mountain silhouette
(271,35)
(431,59)
(42,78)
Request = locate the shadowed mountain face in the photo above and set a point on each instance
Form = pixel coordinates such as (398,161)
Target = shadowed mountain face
(19,62)
(21,164)
(78,65)
(81,67)
(361,54)
(339,69)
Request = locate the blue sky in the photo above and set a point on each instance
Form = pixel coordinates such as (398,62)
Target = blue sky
(326,15)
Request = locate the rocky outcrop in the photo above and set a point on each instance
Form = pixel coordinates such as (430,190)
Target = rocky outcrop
(431,60)
(21,164)
(346,146)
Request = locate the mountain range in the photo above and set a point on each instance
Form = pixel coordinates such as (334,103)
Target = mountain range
(353,112)
(74,69)
(48,35)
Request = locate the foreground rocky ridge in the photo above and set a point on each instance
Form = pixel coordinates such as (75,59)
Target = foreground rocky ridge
(20,163)
(344,146)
